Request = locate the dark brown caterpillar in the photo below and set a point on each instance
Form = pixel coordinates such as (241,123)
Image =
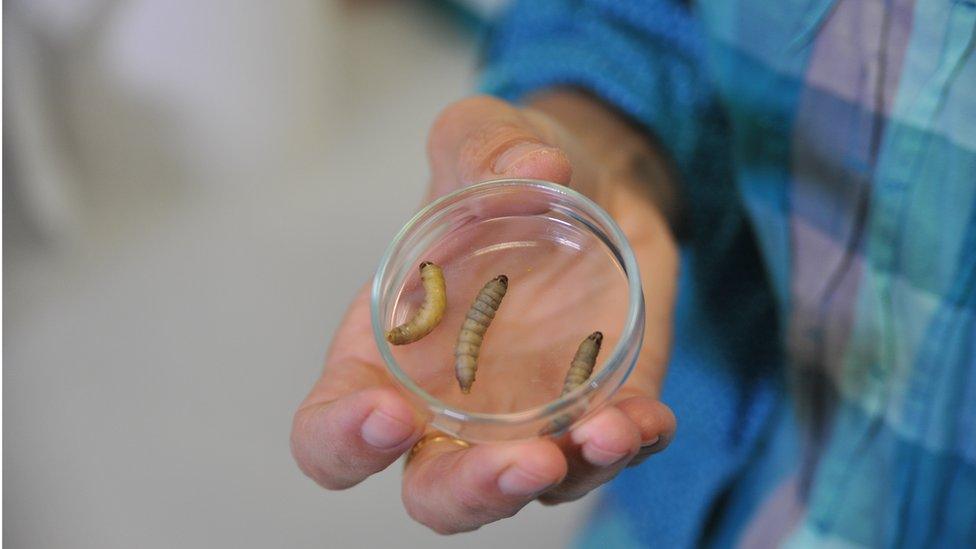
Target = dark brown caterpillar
(473,330)
(430,313)
(579,371)
(583,363)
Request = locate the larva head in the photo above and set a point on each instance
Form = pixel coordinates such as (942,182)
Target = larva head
(503,279)
(597,337)
(425,264)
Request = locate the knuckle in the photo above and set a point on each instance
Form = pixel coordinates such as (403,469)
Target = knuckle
(422,514)
(478,130)
(471,503)
(336,472)
(458,113)
(330,469)
(344,461)
(333,482)
(491,136)
(327,478)
(485,142)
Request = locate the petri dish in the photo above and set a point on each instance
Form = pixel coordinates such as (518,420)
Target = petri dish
(571,272)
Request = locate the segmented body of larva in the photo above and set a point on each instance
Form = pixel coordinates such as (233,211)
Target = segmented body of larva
(583,363)
(430,313)
(580,370)
(473,330)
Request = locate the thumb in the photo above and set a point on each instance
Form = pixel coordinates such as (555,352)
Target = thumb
(483,138)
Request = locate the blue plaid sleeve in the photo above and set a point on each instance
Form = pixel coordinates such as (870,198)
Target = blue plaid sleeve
(644,58)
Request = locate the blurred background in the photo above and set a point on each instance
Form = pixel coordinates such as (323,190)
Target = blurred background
(193,190)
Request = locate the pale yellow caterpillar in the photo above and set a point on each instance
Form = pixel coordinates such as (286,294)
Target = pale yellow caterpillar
(583,363)
(479,316)
(579,371)
(430,313)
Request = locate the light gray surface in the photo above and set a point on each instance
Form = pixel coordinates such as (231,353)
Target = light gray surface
(153,358)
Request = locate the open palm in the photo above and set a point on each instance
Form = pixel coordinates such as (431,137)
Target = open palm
(355,423)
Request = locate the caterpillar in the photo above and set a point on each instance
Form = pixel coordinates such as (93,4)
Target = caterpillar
(580,370)
(430,313)
(583,363)
(473,329)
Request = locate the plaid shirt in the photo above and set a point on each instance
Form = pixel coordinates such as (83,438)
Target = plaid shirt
(824,370)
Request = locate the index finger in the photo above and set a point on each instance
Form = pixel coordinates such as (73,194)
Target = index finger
(353,423)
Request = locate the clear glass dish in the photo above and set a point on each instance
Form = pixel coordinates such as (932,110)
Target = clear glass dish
(571,272)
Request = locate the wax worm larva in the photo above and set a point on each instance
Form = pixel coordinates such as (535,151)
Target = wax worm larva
(583,363)
(579,371)
(473,330)
(430,313)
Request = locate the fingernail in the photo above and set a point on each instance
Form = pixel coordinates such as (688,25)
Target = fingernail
(651,442)
(655,446)
(515,481)
(384,431)
(508,159)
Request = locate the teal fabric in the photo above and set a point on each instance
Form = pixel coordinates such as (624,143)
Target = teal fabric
(824,367)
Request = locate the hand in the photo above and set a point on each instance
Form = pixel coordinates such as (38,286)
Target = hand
(354,423)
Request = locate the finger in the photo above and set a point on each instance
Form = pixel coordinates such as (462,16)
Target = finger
(655,422)
(454,490)
(339,443)
(596,451)
(638,398)
(482,138)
